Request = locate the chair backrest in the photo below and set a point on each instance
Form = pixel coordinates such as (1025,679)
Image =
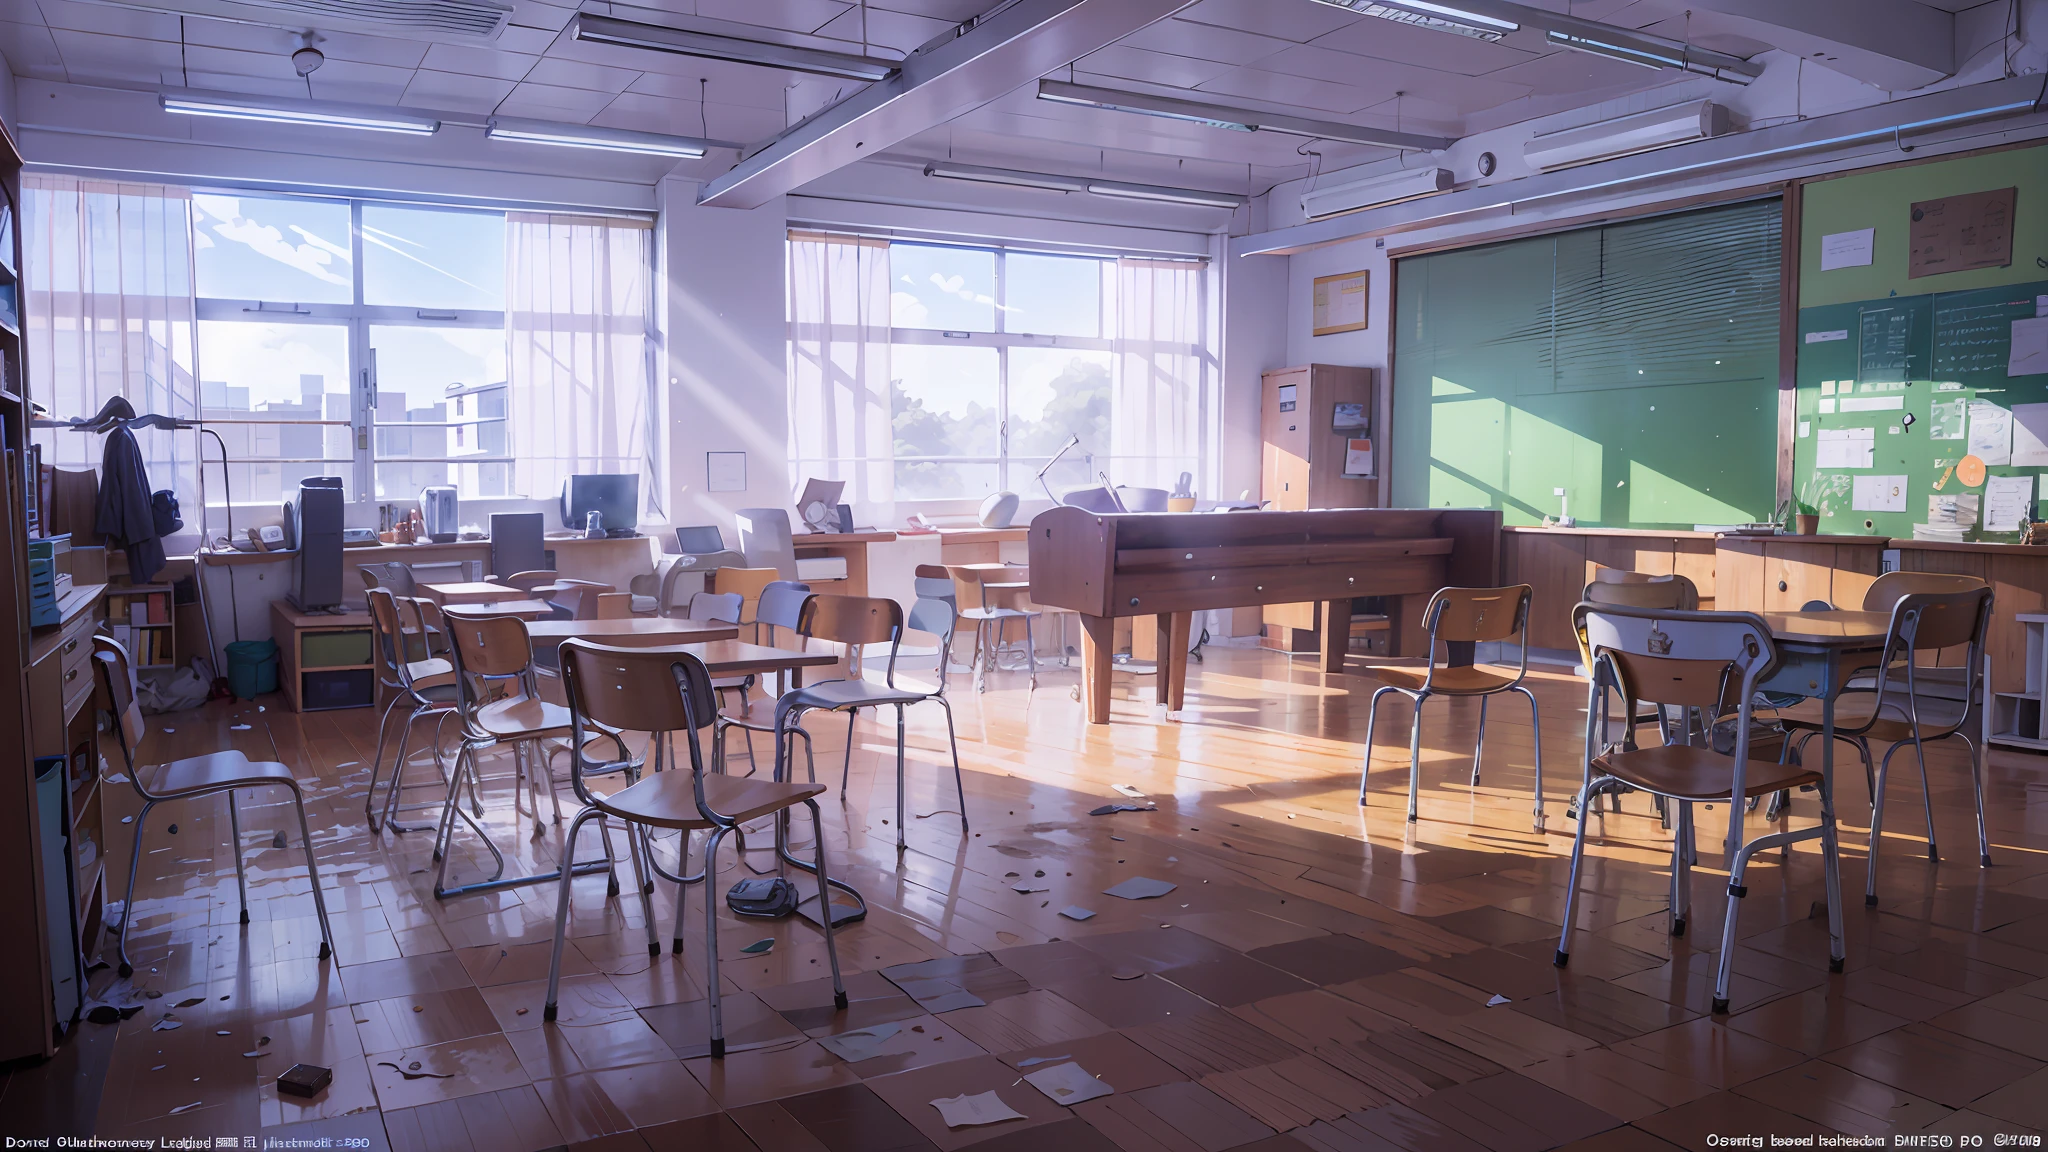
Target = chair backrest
(579,596)
(615,606)
(392,575)
(1672,592)
(969,578)
(1478,615)
(851,619)
(632,689)
(1684,659)
(117,679)
(369,577)
(782,603)
(387,629)
(1621,576)
(1928,620)
(765,540)
(699,540)
(528,580)
(492,647)
(518,542)
(935,582)
(1886,590)
(934,615)
(723,607)
(749,583)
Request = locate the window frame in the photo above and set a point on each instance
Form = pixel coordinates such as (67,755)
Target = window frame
(359,318)
(1002,341)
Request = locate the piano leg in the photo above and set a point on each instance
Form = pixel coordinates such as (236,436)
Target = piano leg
(1098,637)
(1336,634)
(1175,630)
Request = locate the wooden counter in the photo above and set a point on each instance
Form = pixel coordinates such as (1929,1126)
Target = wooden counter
(1781,573)
(2018,575)
(1559,562)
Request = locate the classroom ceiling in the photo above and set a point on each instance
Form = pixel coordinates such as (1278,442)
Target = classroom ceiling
(1293,56)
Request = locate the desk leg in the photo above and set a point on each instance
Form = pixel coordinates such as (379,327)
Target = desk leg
(1336,634)
(1174,631)
(1098,634)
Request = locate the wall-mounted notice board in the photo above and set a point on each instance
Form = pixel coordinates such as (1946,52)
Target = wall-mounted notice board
(1900,398)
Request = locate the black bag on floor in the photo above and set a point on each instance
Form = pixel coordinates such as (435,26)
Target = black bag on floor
(762,897)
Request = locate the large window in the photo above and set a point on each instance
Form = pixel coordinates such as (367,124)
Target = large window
(923,372)
(360,340)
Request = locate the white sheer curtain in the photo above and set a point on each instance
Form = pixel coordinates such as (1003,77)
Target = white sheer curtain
(1161,402)
(839,369)
(578,300)
(109,312)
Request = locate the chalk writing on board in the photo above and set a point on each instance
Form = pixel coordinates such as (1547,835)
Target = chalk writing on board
(1957,233)
(1885,350)
(1973,337)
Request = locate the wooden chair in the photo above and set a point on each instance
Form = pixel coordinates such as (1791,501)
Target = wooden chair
(1461,615)
(991,615)
(1693,660)
(749,583)
(669,694)
(424,682)
(500,703)
(1895,708)
(857,622)
(1639,590)
(190,779)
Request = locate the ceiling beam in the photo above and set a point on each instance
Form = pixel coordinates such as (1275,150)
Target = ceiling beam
(1897,45)
(1240,119)
(938,83)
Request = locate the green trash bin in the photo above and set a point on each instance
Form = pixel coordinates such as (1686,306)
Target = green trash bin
(252,668)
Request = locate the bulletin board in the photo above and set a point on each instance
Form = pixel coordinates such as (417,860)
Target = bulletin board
(1896,395)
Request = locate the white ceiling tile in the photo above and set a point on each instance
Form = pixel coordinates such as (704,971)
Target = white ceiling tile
(733,84)
(29,46)
(104,18)
(1383,78)
(739,122)
(1298,91)
(898,32)
(519,38)
(348,81)
(788,15)
(639,112)
(293,88)
(577,74)
(1297,21)
(259,65)
(1565,73)
(465,60)
(90,56)
(1203,41)
(546,102)
(1443,51)
(534,14)
(1123,62)
(951,11)
(454,93)
(392,51)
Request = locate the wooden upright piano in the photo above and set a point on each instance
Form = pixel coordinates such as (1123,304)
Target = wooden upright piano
(1170,565)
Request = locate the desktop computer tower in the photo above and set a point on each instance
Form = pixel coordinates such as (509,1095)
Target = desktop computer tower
(316,529)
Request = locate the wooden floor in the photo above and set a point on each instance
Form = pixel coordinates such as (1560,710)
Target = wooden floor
(1323,976)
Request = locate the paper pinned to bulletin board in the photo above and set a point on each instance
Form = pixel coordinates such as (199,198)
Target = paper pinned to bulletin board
(1340,304)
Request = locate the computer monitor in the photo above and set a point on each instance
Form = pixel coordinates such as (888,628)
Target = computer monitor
(615,497)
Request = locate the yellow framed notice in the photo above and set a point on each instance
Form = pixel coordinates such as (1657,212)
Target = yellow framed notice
(1340,304)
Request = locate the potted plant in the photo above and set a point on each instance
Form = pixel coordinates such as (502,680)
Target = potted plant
(1805,516)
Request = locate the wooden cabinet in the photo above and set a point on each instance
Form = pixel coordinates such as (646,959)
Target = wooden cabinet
(1784,573)
(1301,462)
(62,723)
(1558,563)
(324,661)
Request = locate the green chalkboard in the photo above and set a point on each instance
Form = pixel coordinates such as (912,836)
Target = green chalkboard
(1633,365)
(1909,370)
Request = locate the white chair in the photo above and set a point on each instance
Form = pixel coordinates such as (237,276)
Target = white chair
(766,541)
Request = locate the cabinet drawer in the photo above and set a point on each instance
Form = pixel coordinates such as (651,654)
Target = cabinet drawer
(76,651)
(77,687)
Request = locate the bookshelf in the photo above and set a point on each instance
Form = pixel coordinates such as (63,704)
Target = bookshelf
(142,618)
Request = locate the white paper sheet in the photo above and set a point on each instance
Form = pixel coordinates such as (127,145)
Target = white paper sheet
(1827,407)
(1878,494)
(1067,1083)
(1990,432)
(2029,353)
(2030,435)
(1827,337)
(982,1108)
(1948,419)
(1847,249)
(1957,508)
(1805,429)
(2005,502)
(1846,448)
(1872,403)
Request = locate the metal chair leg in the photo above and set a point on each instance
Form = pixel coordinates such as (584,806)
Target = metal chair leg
(711,941)
(313,872)
(1684,852)
(128,904)
(1479,744)
(683,869)
(1977,756)
(562,911)
(959,784)
(1536,742)
(1372,712)
(1831,868)
(899,778)
(825,906)
(235,844)
(846,769)
(1415,758)
(1571,890)
(1030,652)
(377,765)
(1926,793)
(634,848)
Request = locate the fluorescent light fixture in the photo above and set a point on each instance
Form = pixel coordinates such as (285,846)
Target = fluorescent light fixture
(1113,188)
(362,119)
(599,139)
(1373,191)
(1627,135)
(1234,119)
(1436,17)
(711,46)
(1645,52)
